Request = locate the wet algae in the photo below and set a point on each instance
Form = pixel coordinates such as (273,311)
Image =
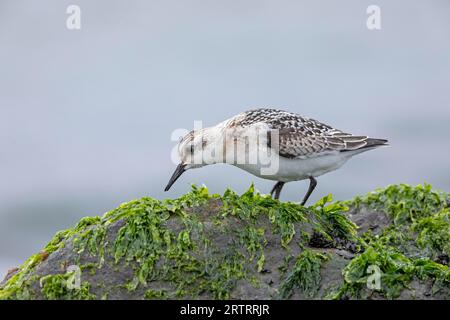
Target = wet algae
(203,246)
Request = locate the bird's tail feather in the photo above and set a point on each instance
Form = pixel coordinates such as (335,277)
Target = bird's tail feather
(371,143)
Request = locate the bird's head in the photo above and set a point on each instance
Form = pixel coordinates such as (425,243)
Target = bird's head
(196,149)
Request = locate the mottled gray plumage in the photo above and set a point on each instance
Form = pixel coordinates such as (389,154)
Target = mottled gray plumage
(301,137)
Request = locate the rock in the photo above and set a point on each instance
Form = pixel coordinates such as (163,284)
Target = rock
(368,219)
(204,246)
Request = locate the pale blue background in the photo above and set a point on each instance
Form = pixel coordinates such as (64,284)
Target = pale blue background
(86,116)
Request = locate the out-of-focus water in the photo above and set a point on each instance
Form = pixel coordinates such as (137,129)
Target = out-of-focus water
(86,115)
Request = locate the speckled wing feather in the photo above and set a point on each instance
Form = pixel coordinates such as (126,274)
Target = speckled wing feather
(299,136)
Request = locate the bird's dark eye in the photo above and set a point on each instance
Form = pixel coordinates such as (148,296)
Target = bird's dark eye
(192,149)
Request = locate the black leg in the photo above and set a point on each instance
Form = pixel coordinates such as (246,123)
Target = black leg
(277,189)
(278,192)
(312,185)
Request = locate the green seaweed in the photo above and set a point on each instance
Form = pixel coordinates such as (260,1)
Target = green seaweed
(305,274)
(253,240)
(56,287)
(155,294)
(332,221)
(405,250)
(404,203)
(168,242)
(434,233)
(396,270)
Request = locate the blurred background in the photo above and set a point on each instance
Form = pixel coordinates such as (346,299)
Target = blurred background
(86,115)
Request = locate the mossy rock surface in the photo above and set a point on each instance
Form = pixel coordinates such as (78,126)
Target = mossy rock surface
(249,246)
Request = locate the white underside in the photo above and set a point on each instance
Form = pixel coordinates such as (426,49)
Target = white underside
(296,169)
(300,169)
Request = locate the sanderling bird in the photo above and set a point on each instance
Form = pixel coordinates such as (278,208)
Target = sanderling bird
(297,147)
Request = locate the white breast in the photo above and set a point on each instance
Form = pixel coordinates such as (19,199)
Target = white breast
(297,169)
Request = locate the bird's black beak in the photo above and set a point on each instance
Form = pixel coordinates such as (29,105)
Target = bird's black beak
(178,172)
